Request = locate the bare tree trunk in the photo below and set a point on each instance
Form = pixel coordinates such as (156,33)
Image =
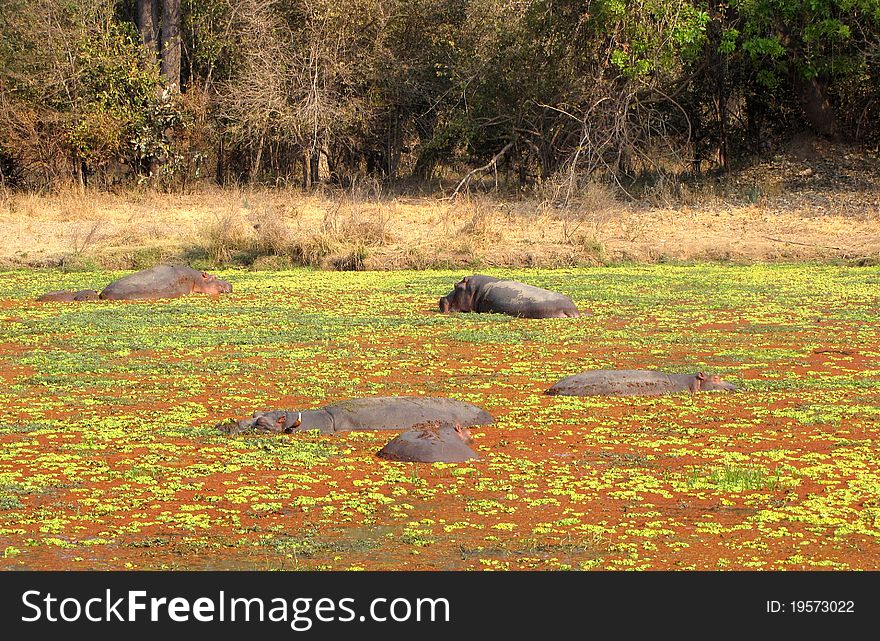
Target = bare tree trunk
(492,163)
(258,160)
(314,164)
(148,25)
(171,43)
(817,108)
(393,144)
(221,161)
(306,169)
(721,114)
(80,172)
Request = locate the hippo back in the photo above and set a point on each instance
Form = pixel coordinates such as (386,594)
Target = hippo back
(637,382)
(68,296)
(430,443)
(403,412)
(620,382)
(162,281)
(527,301)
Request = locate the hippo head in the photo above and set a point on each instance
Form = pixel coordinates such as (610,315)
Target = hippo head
(209,284)
(458,299)
(440,429)
(282,422)
(712,383)
(463,433)
(278,422)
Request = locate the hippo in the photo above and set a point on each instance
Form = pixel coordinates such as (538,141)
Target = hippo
(637,382)
(67,296)
(375,413)
(165,281)
(480,293)
(162,281)
(431,442)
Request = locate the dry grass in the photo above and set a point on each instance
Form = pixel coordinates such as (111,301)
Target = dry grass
(793,209)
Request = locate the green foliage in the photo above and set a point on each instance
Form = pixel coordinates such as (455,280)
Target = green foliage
(116,112)
(815,37)
(391,87)
(652,36)
(89,85)
(208,50)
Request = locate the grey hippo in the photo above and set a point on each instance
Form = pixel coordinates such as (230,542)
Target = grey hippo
(374,413)
(433,442)
(637,382)
(480,293)
(162,281)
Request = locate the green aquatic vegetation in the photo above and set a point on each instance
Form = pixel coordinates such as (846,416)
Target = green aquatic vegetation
(737,478)
(826,414)
(107,418)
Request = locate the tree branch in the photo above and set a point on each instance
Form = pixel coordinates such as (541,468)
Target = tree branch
(467,179)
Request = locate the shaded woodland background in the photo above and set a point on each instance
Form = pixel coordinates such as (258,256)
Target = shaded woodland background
(405,92)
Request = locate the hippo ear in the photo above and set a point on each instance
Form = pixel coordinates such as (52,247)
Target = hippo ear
(458,428)
(205,275)
(701,376)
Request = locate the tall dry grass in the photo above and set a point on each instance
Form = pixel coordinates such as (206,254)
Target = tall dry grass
(366,228)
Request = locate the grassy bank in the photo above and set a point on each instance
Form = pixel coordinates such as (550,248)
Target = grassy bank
(826,209)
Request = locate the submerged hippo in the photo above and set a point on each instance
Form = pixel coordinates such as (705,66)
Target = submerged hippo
(67,296)
(637,382)
(434,442)
(162,281)
(479,293)
(377,413)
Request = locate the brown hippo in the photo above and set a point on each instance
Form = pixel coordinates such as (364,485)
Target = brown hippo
(376,413)
(636,382)
(479,293)
(162,281)
(432,442)
(67,296)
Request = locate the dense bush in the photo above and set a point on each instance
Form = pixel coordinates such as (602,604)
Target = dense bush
(314,90)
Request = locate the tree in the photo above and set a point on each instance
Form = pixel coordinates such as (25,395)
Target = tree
(814,47)
(147,18)
(171,43)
